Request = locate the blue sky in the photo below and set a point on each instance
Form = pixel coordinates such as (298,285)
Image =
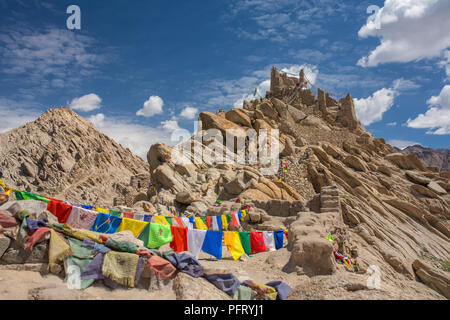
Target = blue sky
(140,69)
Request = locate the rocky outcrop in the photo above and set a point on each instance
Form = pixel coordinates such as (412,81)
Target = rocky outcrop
(62,155)
(439,158)
(435,279)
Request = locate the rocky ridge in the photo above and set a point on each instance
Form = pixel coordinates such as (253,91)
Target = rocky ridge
(435,159)
(62,155)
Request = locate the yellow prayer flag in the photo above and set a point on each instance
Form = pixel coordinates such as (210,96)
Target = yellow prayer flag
(135,226)
(199,224)
(101,210)
(224,222)
(233,243)
(161,220)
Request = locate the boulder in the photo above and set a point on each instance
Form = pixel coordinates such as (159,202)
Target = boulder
(312,121)
(289,148)
(417,188)
(239,117)
(4,244)
(211,121)
(190,288)
(254,194)
(406,161)
(262,124)
(268,110)
(355,163)
(435,187)
(417,178)
(197,207)
(144,206)
(432,277)
(185,197)
(16,254)
(169,178)
(235,186)
(158,154)
(315,256)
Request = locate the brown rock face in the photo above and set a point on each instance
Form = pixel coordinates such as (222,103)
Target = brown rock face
(62,155)
(439,158)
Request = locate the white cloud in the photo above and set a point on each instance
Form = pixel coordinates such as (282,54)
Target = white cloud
(15,114)
(52,58)
(371,109)
(401,144)
(391,124)
(154,105)
(437,117)
(446,63)
(189,112)
(311,71)
(170,125)
(86,103)
(138,138)
(284,20)
(409,30)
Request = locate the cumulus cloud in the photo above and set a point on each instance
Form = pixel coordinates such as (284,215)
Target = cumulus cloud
(189,112)
(409,30)
(371,109)
(138,138)
(437,117)
(153,106)
(401,144)
(86,103)
(170,125)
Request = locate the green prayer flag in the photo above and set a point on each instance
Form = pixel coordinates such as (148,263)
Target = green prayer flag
(204,221)
(245,240)
(115,213)
(145,234)
(159,235)
(23,195)
(169,220)
(229,218)
(18,195)
(329,237)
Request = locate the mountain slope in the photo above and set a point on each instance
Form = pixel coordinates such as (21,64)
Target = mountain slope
(382,207)
(62,155)
(439,158)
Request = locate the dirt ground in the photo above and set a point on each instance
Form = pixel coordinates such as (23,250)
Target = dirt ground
(25,282)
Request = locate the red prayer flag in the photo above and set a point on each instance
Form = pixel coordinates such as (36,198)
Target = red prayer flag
(179,242)
(60,210)
(257,242)
(129,215)
(208,222)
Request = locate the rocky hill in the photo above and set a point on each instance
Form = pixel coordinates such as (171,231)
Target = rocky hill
(62,155)
(383,208)
(439,158)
